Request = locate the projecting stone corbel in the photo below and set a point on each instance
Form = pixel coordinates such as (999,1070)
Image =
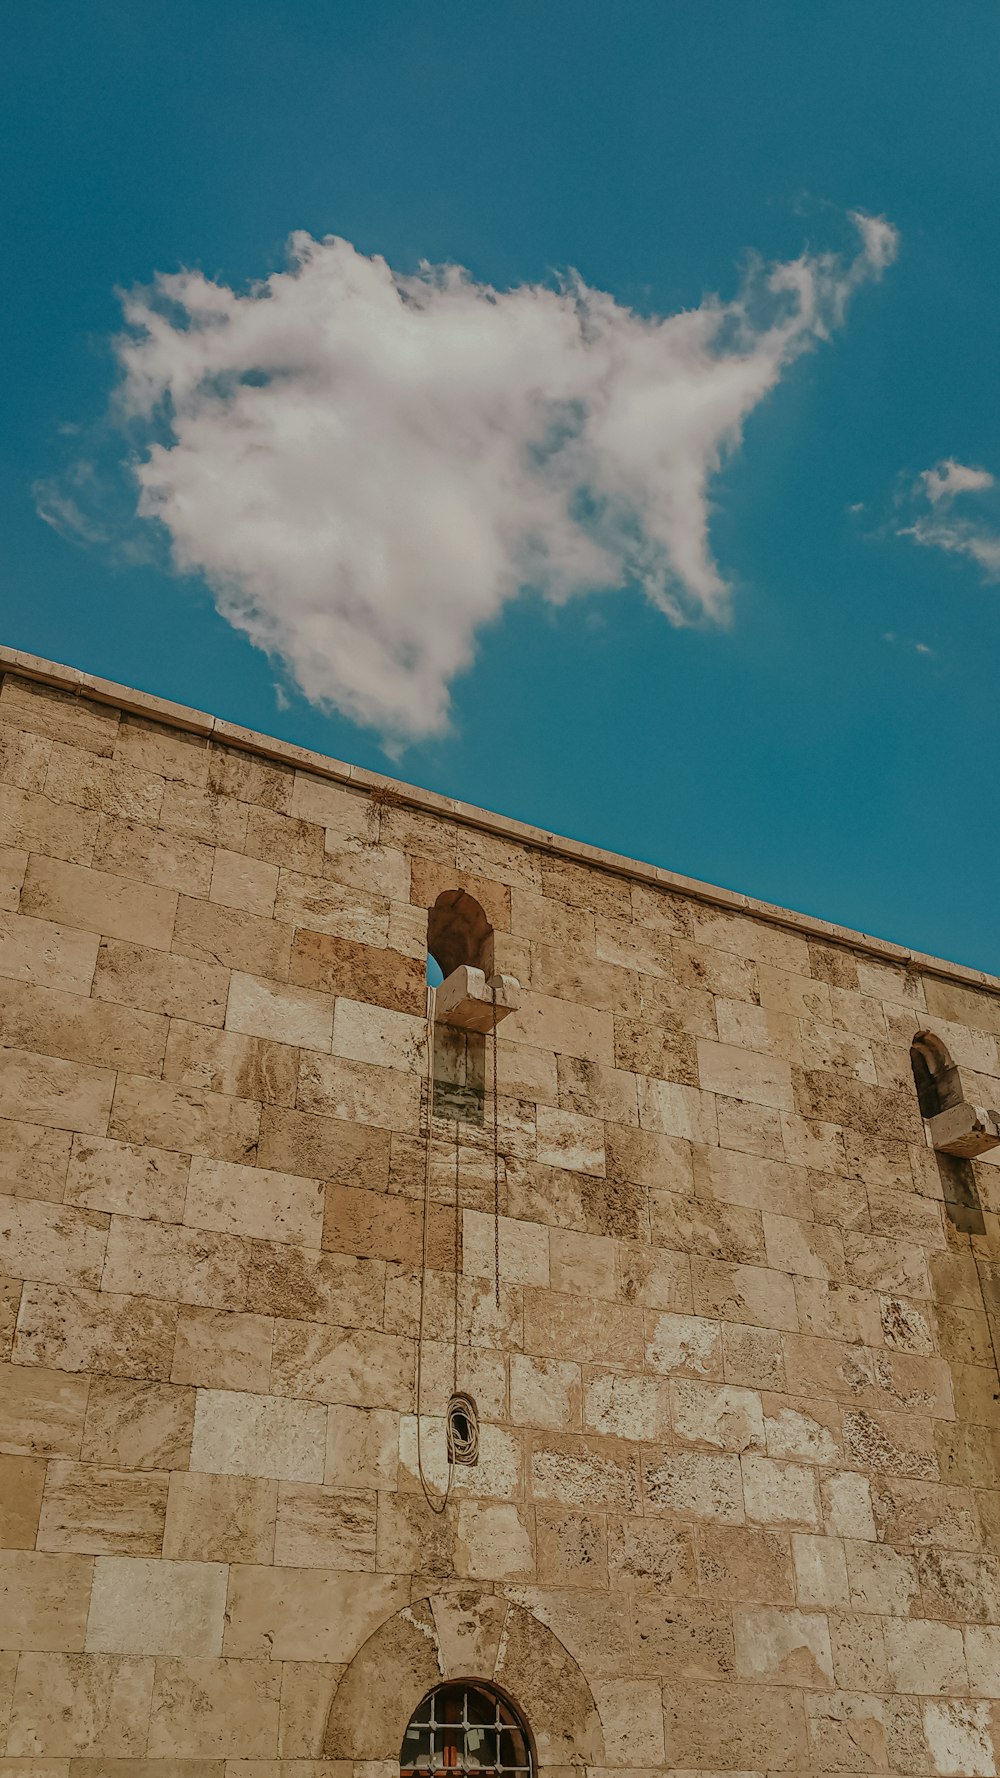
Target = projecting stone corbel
(465,999)
(963,1129)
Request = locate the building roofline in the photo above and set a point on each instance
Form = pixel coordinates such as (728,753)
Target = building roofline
(199,722)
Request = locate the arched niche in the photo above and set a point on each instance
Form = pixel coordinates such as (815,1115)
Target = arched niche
(466,1634)
(934,1074)
(458,932)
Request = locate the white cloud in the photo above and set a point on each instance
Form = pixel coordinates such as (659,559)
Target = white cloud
(937,525)
(366,466)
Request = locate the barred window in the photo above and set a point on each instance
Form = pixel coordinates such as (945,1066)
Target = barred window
(465,1728)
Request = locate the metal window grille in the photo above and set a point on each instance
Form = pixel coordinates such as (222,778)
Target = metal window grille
(461,1729)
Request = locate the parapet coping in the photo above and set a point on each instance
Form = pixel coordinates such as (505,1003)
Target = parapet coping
(199,722)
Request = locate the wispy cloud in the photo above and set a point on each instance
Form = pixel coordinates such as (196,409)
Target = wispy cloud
(937,522)
(366,466)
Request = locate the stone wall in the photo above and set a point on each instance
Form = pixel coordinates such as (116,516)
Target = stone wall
(736,1501)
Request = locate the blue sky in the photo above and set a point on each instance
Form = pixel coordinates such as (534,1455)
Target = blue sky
(833,745)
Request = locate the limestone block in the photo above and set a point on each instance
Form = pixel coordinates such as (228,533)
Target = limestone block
(626,1407)
(94,1511)
(81,1030)
(925,1657)
(692,1486)
(753,1357)
(161,982)
(171,861)
(572,1549)
(76,1704)
(652,1556)
(64,1095)
(414,1540)
(957,1586)
(261,1008)
(234,772)
(548,1023)
(760,1184)
(46,955)
(187,1119)
(61,715)
(742,1074)
(891,1444)
(755,1296)
(257,1435)
(881,1580)
(659,1046)
(155,748)
(570,1471)
(24,757)
(545,1392)
(810,1249)
(21,1483)
(847,1504)
(201,814)
(254,1201)
(632,1720)
(654,1277)
(494,1542)
(959,1739)
(210,934)
(225,1062)
(97,901)
(859,1662)
(285,840)
(178,1264)
(660,1162)
(358,1092)
(568,1139)
(52,1242)
(321,906)
(114,786)
(33,1160)
(804,1429)
(838,1311)
(524,1249)
(41,1411)
(829,1367)
(242,882)
(725,1232)
(321,1527)
(335,1288)
(32,823)
(780,1493)
(559,1326)
(94,1330)
(356,864)
(845,1731)
(683,1641)
(718,1419)
(377,1034)
(220,1518)
(982,1654)
(372,1225)
(307,1614)
(137,1425)
(362,1450)
(324,1148)
(752,1129)
(43,1600)
(592,1089)
(210,1709)
(674,1110)
(132,1181)
(684,1345)
(306,1689)
(220,1349)
(745,1564)
(915,1383)
(820,1571)
(156,1608)
(372,973)
(733,1726)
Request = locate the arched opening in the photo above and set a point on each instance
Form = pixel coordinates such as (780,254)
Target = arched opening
(939,1087)
(465,1727)
(458,933)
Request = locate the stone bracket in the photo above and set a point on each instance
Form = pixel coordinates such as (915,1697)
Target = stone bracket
(963,1129)
(465,999)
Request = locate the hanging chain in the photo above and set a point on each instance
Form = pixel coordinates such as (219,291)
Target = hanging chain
(496,1156)
(437,1503)
(458,1246)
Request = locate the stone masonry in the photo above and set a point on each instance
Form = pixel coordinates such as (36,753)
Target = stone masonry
(736,1502)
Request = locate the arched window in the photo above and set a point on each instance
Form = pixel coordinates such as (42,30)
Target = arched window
(458,933)
(939,1088)
(465,1727)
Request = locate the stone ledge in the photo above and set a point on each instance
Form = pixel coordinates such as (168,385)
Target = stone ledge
(138,703)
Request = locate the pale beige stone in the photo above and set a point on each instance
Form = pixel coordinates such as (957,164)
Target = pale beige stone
(222,1349)
(202,1056)
(191,1120)
(307,1614)
(365,1367)
(179,1264)
(242,882)
(254,1201)
(320,1527)
(156,1607)
(138,1181)
(626,1407)
(783,1647)
(172,861)
(377,1034)
(255,1435)
(169,752)
(545,1392)
(41,1411)
(925,1657)
(220,1518)
(77,1704)
(137,1425)
(210,1709)
(684,1345)
(33,1161)
(21,1483)
(47,955)
(43,1600)
(741,1074)
(780,1493)
(94,1330)
(693,1486)
(52,1242)
(30,823)
(362,1448)
(524,1249)
(567,1139)
(98,1512)
(96,901)
(55,1023)
(881,1580)
(820,1571)
(358,1092)
(583,1264)
(261,1008)
(114,785)
(959,1739)
(208,933)
(714,1418)
(157,981)
(46,1090)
